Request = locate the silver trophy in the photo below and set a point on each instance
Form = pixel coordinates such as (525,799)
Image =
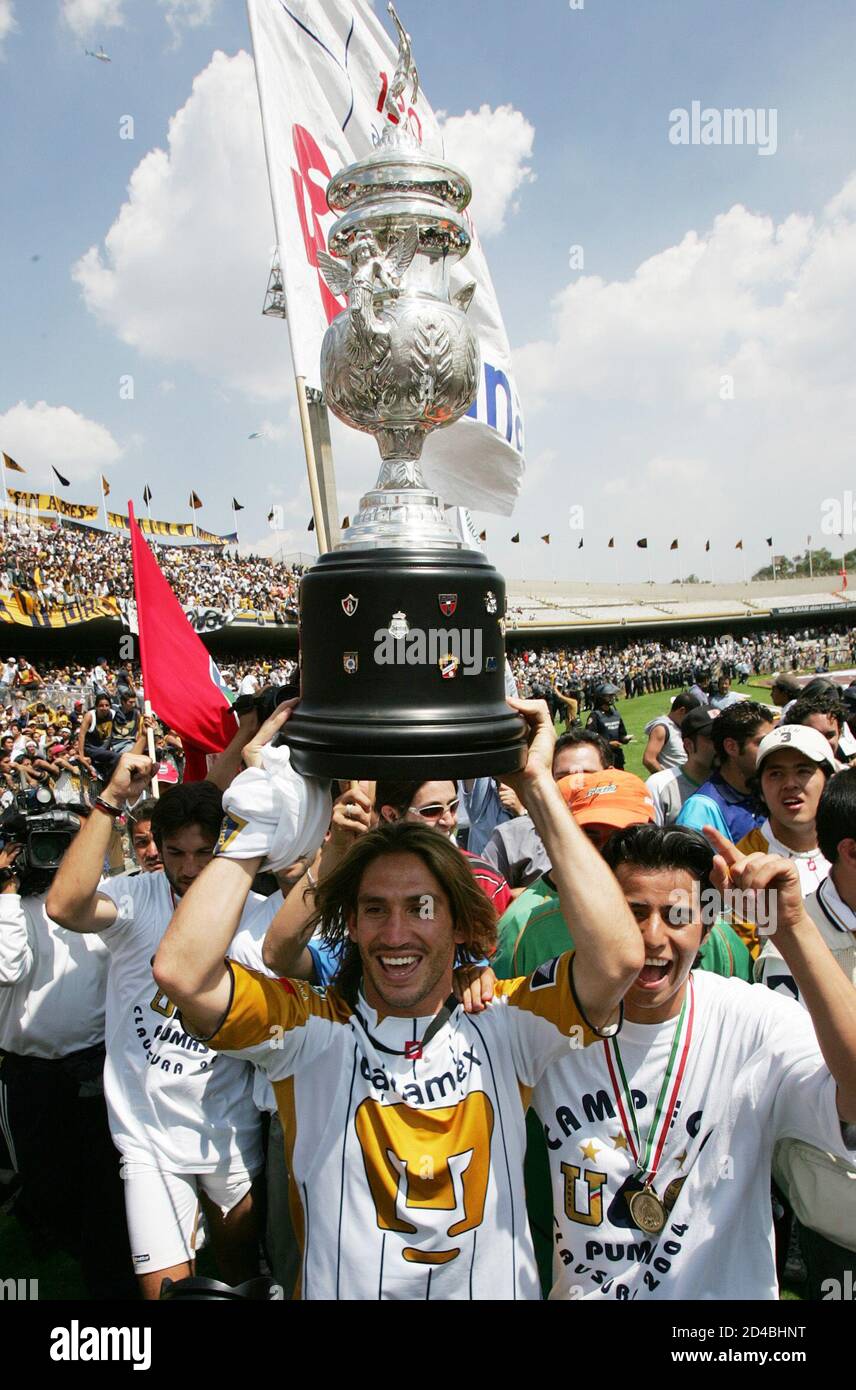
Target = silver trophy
(399,614)
(402,360)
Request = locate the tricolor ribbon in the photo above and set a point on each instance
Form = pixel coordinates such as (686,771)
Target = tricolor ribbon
(663,1110)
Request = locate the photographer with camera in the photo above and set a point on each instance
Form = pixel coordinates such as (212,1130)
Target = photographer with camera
(52,1108)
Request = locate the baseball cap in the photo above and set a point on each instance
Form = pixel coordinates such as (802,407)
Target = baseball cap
(696,722)
(607,798)
(810,741)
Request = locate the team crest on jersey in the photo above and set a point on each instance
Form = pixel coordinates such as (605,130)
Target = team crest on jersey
(449,666)
(545,975)
(229,832)
(448,603)
(349,605)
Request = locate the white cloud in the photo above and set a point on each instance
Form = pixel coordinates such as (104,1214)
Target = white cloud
(184,266)
(41,435)
(188,14)
(713,386)
(88,17)
(492,148)
(8,24)
(746,297)
(182,271)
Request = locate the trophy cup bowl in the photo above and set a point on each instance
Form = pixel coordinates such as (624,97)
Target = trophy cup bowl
(402,631)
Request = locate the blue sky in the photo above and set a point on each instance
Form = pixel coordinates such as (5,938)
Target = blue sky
(700,263)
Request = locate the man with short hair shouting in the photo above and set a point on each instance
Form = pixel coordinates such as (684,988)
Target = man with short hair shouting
(404,1117)
(660,1141)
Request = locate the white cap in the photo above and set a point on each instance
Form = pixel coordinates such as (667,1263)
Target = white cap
(810,741)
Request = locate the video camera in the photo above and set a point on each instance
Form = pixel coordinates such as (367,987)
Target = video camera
(44,836)
(266,702)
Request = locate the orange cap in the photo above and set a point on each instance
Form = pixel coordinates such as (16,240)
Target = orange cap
(607,798)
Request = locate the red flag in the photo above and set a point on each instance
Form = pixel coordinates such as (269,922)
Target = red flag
(179,677)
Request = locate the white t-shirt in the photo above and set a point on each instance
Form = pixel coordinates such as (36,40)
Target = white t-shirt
(249,685)
(669,789)
(405,1171)
(52,982)
(754,1075)
(172,1101)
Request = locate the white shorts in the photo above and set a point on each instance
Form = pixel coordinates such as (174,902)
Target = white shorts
(163,1210)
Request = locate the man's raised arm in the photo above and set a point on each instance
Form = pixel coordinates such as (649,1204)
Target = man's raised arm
(609,948)
(190,965)
(827,993)
(74,901)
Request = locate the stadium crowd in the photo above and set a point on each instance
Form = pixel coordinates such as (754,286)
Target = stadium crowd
(60,564)
(639,668)
(123,915)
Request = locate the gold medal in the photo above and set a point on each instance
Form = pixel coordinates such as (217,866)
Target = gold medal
(673,1192)
(647,1211)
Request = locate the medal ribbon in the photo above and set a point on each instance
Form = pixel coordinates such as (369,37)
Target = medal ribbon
(663,1114)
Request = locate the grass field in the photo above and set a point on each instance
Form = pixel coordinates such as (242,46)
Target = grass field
(636,714)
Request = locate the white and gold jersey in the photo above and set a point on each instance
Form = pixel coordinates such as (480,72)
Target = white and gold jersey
(406,1163)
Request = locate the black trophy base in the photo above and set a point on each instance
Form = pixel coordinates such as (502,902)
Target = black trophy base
(403,668)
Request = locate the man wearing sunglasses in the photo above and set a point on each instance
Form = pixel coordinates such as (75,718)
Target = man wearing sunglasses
(436,804)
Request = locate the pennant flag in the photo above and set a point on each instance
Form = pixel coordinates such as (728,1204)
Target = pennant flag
(346,521)
(271,514)
(739,545)
(105,486)
(324,73)
(12,466)
(147,495)
(707,546)
(311,526)
(611,543)
(515,539)
(580,546)
(195,502)
(546,539)
(482,535)
(180,678)
(237,506)
(770,541)
(674,545)
(643,543)
(64,481)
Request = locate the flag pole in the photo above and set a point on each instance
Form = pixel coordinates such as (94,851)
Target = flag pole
(104,504)
(300,381)
(311,466)
(150,740)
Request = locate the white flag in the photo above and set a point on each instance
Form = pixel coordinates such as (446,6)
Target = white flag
(323,69)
